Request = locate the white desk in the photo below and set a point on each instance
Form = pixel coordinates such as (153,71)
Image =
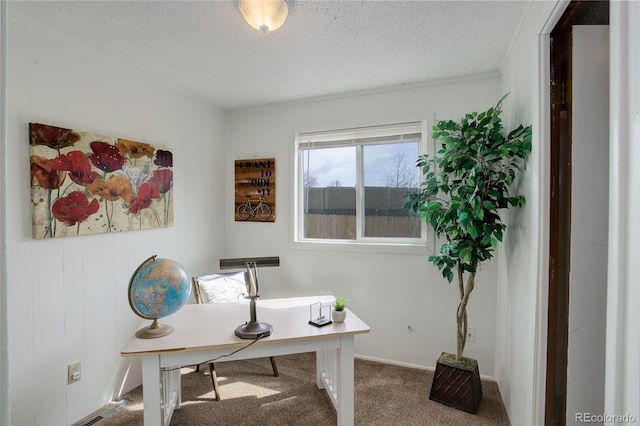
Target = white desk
(204,332)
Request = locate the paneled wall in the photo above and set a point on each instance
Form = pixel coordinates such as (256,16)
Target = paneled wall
(67,297)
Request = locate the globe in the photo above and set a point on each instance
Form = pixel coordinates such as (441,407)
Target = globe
(158,288)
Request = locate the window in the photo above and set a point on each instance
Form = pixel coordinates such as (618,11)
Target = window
(351,185)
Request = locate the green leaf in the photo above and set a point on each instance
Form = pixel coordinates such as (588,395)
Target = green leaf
(434,205)
(488,205)
(467,267)
(448,274)
(464,217)
(473,232)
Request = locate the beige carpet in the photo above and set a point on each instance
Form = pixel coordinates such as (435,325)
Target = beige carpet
(385,395)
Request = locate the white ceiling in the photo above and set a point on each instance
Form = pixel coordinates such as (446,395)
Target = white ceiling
(324,47)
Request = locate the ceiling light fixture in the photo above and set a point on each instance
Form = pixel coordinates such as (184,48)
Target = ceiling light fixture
(264,15)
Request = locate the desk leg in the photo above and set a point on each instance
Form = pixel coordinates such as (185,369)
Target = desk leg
(151,388)
(345,400)
(178,386)
(321,360)
(327,372)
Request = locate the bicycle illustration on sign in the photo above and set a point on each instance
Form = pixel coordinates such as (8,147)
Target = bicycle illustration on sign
(262,211)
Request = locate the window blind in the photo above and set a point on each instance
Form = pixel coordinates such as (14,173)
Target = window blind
(360,136)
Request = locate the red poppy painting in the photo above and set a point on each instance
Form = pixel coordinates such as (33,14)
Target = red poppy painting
(84,183)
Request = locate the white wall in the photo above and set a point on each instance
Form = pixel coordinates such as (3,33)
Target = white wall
(523,275)
(589,220)
(390,290)
(4,345)
(622,380)
(67,297)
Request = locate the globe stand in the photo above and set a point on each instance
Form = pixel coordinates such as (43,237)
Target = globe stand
(154,330)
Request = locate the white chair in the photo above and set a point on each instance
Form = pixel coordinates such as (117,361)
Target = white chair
(222,288)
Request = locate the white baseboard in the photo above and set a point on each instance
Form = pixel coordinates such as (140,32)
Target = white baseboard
(409,365)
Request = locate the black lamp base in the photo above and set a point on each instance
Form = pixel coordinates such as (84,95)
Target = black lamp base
(254,330)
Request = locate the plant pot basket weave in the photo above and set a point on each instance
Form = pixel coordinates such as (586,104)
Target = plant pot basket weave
(455,385)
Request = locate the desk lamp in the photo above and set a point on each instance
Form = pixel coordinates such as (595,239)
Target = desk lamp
(252,329)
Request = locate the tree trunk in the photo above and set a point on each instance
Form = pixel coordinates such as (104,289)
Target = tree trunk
(461,314)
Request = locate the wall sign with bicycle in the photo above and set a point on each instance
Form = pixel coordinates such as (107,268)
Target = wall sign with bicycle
(255,190)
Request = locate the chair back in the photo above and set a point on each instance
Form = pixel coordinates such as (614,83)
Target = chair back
(220,287)
(196,290)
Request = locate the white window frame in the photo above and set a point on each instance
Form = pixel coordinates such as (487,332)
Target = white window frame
(358,137)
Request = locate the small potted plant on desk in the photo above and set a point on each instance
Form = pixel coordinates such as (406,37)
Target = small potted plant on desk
(465,185)
(339,314)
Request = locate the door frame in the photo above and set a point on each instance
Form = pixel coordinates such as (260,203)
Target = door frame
(544,113)
(541,373)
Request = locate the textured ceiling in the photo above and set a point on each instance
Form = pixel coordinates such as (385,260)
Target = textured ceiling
(324,47)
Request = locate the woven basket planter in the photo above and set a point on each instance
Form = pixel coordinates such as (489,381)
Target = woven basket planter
(457,385)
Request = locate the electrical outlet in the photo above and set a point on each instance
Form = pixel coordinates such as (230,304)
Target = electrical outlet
(74,372)
(471,334)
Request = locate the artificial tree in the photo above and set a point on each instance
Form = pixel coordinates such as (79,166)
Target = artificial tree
(465,185)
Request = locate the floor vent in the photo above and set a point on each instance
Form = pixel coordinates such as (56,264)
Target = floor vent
(93,421)
(106,413)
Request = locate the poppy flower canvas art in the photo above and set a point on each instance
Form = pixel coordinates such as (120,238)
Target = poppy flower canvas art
(84,183)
